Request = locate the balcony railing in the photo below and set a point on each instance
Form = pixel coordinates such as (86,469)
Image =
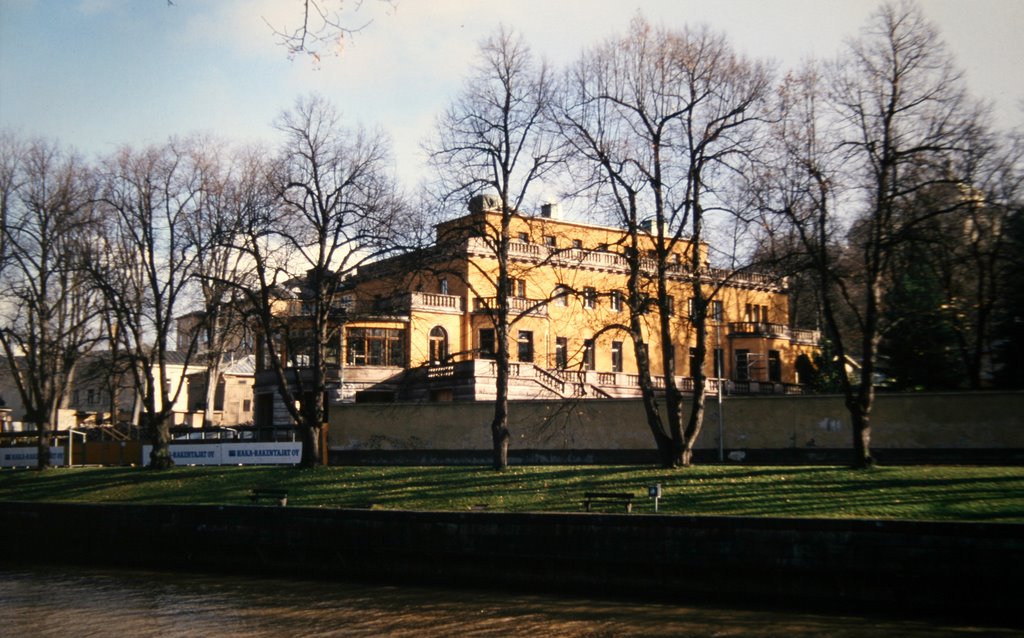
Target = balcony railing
(589,383)
(605,260)
(434,301)
(516,305)
(774,331)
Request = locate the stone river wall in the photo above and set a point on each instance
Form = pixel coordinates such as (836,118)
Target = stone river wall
(853,565)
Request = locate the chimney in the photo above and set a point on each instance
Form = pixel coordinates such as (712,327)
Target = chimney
(549,211)
(485,202)
(650,226)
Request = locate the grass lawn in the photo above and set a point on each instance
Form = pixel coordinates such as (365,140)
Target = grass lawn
(911,492)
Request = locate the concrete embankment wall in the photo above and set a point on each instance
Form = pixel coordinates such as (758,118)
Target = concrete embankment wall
(973,569)
(958,427)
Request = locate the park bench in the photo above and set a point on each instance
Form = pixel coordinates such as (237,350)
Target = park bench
(608,498)
(257,494)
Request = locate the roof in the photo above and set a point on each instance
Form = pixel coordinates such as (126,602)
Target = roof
(246,366)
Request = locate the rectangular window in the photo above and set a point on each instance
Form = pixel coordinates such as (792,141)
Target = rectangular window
(694,371)
(246,405)
(716,310)
(616,356)
(719,363)
(588,354)
(487,342)
(376,347)
(561,353)
(774,366)
(332,352)
(524,237)
(518,288)
(526,346)
(670,303)
(615,300)
(549,241)
(756,313)
(743,365)
(577,244)
(589,297)
(443,284)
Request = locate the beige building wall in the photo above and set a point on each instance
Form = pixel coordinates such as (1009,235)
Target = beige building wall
(589,270)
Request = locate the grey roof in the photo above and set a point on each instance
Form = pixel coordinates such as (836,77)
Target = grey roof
(242,367)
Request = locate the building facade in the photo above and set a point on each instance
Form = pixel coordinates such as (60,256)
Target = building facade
(420,327)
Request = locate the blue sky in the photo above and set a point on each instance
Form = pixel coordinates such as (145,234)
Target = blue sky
(97,74)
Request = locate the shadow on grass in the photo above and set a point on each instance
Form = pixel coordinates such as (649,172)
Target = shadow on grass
(946,493)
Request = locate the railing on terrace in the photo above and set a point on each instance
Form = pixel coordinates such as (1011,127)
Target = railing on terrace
(517,305)
(434,301)
(441,372)
(774,330)
(551,379)
(400,304)
(578,383)
(603,259)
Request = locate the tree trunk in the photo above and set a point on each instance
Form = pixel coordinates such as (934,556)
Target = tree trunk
(160,435)
(499,426)
(695,423)
(312,420)
(500,438)
(43,459)
(860,413)
(311,450)
(862,443)
(212,381)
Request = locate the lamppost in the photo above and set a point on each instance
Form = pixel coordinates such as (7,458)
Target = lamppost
(720,364)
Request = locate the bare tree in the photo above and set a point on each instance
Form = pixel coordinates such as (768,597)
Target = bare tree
(491,139)
(222,320)
(862,142)
(332,207)
(663,120)
(146,269)
(971,246)
(48,310)
(322,28)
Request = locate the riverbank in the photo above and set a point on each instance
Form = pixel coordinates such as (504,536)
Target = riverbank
(937,493)
(967,569)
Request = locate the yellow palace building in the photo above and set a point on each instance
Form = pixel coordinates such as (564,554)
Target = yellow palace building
(420,328)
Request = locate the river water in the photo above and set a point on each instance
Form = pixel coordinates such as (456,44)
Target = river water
(71,601)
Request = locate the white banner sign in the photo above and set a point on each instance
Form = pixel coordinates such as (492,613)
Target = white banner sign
(28,456)
(261,453)
(232,453)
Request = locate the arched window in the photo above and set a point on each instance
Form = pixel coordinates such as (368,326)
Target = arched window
(438,345)
(561,295)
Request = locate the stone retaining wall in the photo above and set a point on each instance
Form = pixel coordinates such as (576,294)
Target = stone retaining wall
(963,427)
(962,568)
